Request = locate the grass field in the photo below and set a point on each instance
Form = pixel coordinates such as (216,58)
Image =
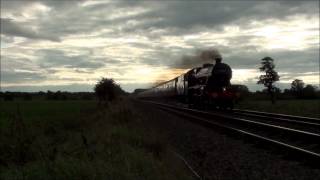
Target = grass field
(309,108)
(78,140)
(42,110)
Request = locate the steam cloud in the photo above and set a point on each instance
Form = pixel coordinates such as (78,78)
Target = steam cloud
(201,57)
(187,62)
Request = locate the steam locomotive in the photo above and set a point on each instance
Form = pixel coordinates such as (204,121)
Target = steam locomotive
(200,87)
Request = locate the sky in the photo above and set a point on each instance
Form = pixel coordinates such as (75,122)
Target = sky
(69,45)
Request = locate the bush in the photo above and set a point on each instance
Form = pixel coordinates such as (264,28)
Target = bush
(107,90)
(309,92)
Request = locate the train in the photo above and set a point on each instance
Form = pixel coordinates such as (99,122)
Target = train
(207,86)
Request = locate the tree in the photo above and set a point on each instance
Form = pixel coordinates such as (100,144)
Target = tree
(297,87)
(241,91)
(107,90)
(270,77)
(49,95)
(277,90)
(309,92)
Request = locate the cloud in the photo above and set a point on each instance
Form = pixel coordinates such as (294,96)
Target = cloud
(10,28)
(57,58)
(169,18)
(34,88)
(285,60)
(21,77)
(177,17)
(135,42)
(11,63)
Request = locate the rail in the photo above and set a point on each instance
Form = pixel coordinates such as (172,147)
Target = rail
(240,126)
(298,119)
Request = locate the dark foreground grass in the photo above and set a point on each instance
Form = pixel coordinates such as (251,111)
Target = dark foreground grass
(309,108)
(77,140)
(43,110)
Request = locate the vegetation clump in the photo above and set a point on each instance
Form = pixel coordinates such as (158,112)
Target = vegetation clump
(270,77)
(302,92)
(107,90)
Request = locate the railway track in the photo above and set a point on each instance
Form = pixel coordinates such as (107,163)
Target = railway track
(295,143)
(306,121)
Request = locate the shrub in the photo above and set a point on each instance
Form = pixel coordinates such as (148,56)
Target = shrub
(107,90)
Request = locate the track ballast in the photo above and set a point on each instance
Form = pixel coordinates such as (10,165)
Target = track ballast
(297,144)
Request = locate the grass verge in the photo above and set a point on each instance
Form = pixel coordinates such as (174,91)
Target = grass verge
(77,140)
(309,108)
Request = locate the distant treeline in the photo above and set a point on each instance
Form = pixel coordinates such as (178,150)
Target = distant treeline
(307,92)
(49,95)
(105,90)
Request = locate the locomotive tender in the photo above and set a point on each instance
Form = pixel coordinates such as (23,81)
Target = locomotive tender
(206,86)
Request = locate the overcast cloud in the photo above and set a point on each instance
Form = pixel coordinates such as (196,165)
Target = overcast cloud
(71,44)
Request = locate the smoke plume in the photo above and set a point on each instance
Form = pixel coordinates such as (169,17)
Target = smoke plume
(186,62)
(200,57)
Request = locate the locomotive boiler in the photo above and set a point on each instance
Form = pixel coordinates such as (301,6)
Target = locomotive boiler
(200,87)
